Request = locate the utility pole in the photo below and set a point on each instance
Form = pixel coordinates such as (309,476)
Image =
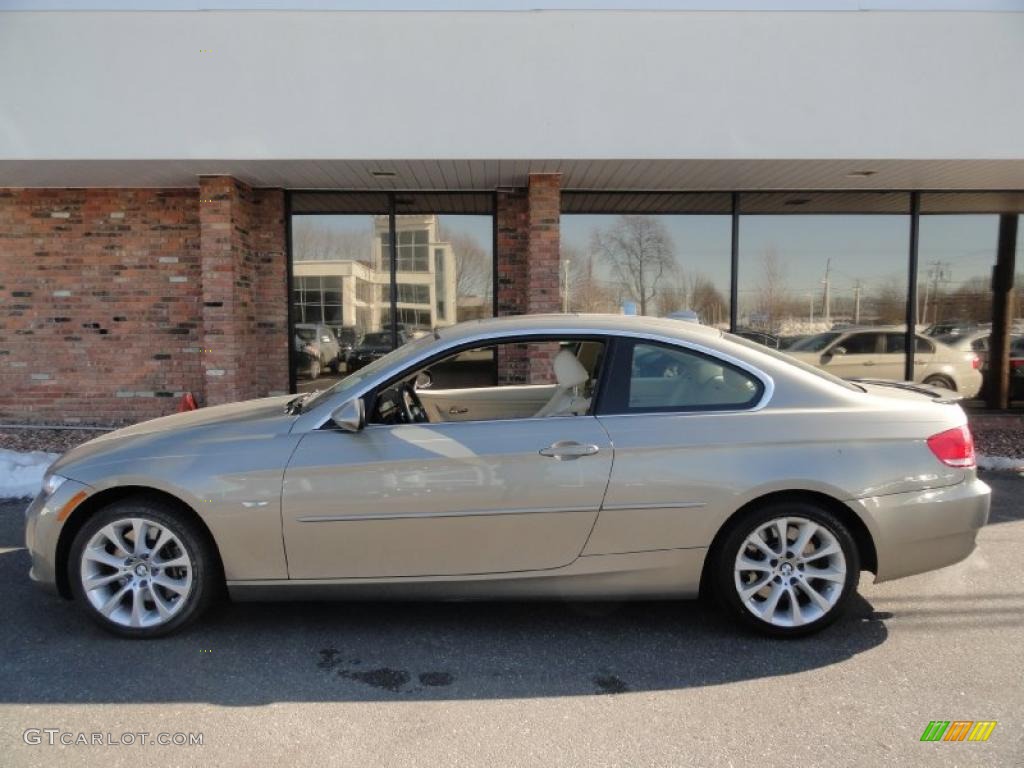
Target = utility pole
(810,316)
(826,302)
(565,285)
(856,303)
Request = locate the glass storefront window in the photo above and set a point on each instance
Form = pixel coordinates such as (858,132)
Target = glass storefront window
(828,288)
(954,295)
(656,265)
(341,277)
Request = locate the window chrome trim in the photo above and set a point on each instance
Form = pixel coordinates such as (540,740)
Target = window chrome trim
(768,383)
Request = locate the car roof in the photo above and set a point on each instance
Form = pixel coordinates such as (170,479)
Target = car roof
(578,323)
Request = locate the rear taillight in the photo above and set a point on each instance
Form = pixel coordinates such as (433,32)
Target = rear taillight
(954,447)
(975,362)
(1018,363)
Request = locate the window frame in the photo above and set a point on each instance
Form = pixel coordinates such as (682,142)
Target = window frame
(613,395)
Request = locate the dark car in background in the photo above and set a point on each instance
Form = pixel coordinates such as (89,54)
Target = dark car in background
(1017,368)
(373,346)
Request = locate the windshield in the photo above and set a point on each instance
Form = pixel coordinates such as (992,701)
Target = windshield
(793,361)
(814,343)
(306,334)
(351,382)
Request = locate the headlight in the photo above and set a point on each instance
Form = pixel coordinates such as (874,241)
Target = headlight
(51,483)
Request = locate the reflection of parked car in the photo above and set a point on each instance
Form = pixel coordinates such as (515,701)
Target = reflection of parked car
(954,328)
(373,346)
(975,341)
(760,337)
(1017,369)
(317,347)
(348,340)
(878,353)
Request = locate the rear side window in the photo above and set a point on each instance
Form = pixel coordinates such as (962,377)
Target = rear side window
(648,377)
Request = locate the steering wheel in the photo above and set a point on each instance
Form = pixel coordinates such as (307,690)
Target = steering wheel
(412,408)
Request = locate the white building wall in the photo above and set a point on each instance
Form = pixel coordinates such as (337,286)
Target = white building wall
(551,84)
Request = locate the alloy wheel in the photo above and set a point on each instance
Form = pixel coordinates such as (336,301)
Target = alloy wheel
(136,572)
(790,571)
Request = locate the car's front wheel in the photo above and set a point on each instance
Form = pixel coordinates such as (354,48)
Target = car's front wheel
(787,569)
(142,568)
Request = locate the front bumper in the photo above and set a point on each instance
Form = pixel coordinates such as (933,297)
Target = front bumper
(42,531)
(925,530)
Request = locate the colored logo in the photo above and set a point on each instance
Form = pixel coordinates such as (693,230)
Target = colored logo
(958,730)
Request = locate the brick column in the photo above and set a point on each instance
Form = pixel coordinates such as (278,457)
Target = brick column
(542,289)
(528,267)
(245,338)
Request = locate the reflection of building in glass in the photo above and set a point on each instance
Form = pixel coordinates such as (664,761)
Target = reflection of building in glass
(356,292)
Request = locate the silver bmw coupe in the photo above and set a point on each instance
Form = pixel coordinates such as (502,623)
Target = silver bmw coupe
(565,456)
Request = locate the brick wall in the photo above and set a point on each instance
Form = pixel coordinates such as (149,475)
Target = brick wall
(528,240)
(101,302)
(244,290)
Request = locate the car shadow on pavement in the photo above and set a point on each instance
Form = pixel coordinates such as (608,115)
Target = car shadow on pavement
(260,653)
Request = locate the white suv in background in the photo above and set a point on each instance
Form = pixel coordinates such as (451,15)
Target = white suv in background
(878,353)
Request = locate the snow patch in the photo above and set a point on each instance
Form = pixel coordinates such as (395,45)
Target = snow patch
(1000,463)
(21,474)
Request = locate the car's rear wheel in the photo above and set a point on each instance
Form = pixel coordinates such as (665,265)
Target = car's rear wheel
(142,568)
(787,569)
(943,382)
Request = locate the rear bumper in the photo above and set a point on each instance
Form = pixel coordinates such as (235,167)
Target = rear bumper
(924,530)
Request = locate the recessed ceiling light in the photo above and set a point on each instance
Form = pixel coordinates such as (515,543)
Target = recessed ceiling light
(383,174)
(860,174)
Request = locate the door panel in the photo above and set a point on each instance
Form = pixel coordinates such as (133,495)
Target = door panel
(443,499)
(485,403)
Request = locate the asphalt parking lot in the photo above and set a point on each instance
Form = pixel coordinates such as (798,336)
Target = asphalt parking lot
(518,684)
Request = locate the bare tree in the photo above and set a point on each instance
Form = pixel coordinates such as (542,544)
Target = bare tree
(638,251)
(587,291)
(473,264)
(315,242)
(707,301)
(772,297)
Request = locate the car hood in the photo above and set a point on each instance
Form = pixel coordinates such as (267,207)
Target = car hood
(190,432)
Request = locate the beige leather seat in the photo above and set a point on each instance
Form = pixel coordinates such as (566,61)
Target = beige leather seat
(570,375)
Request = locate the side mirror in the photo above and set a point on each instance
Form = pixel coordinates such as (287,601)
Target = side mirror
(423,380)
(350,416)
(832,353)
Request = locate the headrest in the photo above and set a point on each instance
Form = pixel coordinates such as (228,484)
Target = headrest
(568,370)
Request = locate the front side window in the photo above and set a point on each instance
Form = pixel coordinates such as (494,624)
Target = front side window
(661,377)
(512,380)
(861,343)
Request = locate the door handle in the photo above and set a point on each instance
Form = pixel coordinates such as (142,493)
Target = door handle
(868,362)
(456,411)
(567,450)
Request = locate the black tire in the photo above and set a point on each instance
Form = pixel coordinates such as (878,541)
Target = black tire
(206,581)
(723,566)
(941,381)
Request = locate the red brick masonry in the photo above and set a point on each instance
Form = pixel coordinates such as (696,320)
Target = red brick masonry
(115,302)
(109,297)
